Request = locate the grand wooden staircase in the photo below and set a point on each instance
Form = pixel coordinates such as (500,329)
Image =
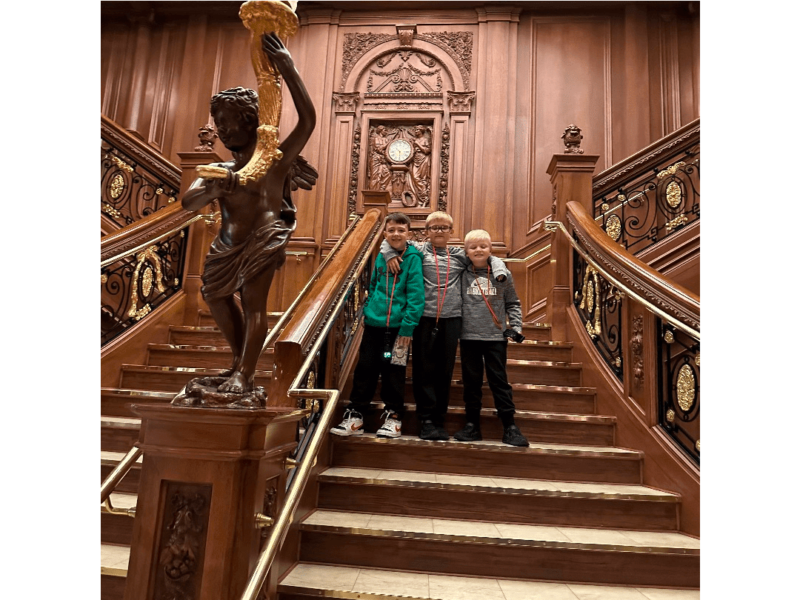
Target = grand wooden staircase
(567,518)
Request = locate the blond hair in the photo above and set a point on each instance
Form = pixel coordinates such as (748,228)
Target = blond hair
(438,215)
(477,235)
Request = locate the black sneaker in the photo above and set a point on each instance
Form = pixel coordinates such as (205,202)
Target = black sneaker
(441,434)
(513,437)
(428,431)
(470,433)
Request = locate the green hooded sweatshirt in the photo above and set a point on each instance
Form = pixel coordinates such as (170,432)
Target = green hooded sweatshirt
(408,300)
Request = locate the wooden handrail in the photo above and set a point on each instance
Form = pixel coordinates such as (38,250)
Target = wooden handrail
(667,296)
(615,175)
(144,154)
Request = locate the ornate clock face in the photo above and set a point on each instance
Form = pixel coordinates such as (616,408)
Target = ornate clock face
(399,151)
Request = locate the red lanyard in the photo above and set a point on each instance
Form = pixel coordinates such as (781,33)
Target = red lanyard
(480,289)
(391,298)
(440,303)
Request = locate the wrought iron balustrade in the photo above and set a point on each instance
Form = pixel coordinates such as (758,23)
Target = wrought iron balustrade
(599,304)
(134,285)
(653,197)
(679,387)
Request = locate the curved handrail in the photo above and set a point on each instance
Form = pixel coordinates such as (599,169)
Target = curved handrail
(140,151)
(347,279)
(674,303)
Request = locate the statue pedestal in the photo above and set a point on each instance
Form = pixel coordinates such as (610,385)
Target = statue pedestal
(205,475)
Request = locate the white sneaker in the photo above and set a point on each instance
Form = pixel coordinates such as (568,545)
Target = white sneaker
(391,427)
(352,424)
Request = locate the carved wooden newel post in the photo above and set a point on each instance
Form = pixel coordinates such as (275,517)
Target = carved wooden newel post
(571,175)
(206,475)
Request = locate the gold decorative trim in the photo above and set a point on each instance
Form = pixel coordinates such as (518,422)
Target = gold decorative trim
(312,380)
(697,360)
(618,362)
(670,415)
(591,300)
(681,219)
(147,281)
(117,186)
(614,227)
(674,194)
(110,210)
(671,170)
(152,256)
(697,445)
(604,207)
(669,337)
(103,278)
(686,388)
(122,164)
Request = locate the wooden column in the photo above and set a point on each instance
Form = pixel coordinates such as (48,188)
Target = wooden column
(206,473)
(200,236)
(571,178)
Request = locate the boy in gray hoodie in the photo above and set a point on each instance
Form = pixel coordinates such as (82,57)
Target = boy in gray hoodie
(487,304)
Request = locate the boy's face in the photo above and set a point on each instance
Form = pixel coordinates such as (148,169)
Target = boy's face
(396,234)
(439,232)
(478,251)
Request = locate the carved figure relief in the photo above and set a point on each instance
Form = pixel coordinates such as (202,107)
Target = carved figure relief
(637,348)
(400,162)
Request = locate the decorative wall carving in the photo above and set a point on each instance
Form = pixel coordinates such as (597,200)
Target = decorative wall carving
(405,71)
(207,135)
(354,160)
(460,102)
(356,45)
(444,157)
(572,140)
(346,102)
(458,44)
(407,177)
(405,34)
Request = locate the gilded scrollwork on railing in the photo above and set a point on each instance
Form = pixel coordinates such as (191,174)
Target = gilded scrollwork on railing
(599,305)
(679,388)
(129,190)
(136,284)
(648,208)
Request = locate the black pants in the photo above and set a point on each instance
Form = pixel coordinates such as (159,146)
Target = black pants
(474,353)
(372,365)
(433,359)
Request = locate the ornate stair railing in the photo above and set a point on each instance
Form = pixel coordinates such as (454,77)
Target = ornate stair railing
(645,328)
(135,180)
(652,194)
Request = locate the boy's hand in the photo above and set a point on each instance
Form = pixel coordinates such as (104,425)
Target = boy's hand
(223,187)
(403,341)
(393,265)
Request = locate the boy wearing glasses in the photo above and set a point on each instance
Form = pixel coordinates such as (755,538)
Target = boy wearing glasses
(488,304)
(435,339)
(391,312)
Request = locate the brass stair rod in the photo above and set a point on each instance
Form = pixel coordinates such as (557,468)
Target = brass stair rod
(118,473)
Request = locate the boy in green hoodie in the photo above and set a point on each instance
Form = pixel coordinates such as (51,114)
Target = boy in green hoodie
(391,312)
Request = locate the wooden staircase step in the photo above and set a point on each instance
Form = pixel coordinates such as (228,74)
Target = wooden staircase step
(490,458)
(171,379)
(196,336)
(110,460)
(116,402)
(530,501)
(540,350)
(527,396)
(539,332)
(307,580)
(206,320)
(557,428)
(207,357)
(118,529)
(118,434)
(113,570)
(532,371)
(461,547)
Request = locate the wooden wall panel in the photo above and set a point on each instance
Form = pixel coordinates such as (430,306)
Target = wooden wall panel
(571,85)
(627,74)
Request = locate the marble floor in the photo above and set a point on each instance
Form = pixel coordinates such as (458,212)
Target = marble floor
(388,585)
